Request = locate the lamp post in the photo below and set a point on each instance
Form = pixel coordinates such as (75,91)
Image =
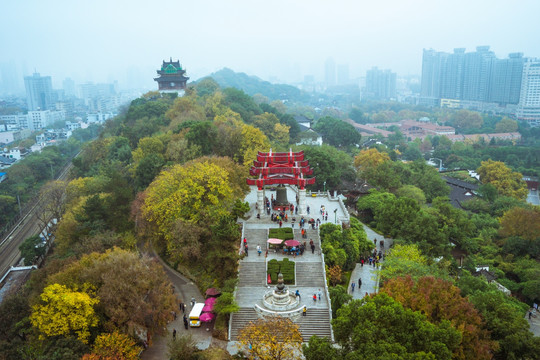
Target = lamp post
(335,216)
(440,163)
(324,186)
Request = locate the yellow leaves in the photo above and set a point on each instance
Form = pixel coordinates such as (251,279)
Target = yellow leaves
(272,338)
(507,182)
(114,346)
(369,159)
(64,311)
(522,222)
(190,192)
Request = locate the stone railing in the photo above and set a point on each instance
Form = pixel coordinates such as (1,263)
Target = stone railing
(326,287)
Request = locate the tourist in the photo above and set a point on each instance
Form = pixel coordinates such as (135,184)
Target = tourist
(375,241)
(292,208)
(362,261)
(307,209)
(304,311)
(359,283)
(296,210)
(245,241)
(352,286)
(192,302)
(258,216)
(315,297)
(326,216)
(280,223)
(185,322)
(320,294)
(292,224)
(530,314)
(297,294)
(246,249)
(174,334)
(312,244)
(259,249)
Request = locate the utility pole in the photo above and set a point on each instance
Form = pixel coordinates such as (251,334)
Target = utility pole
(19,202)
(335,216)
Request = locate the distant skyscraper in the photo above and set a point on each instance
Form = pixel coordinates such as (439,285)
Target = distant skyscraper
(432,64)
(505,80)
(343,74)
(380,84)
(39,93)
(330,72)
(529,100)
(69,87)
(474,76)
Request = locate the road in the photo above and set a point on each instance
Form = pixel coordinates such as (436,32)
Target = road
(26,227)
(533,198)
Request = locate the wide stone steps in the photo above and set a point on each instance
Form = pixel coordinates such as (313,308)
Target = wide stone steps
(252,273)
(240,319)
(316,322)
(256,237)
(309,274)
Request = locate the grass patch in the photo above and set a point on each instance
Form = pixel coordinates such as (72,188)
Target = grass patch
(285,233)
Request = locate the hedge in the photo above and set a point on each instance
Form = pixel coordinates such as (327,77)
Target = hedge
(285,233)
(286,267)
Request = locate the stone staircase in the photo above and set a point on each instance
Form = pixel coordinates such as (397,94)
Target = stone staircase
(240,319)
(252,273)
(316,322)
(309,274)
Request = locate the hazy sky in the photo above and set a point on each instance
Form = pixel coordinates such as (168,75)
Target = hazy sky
(104,40)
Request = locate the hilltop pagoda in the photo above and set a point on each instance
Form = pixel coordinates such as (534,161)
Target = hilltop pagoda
(281,169)
(171,78)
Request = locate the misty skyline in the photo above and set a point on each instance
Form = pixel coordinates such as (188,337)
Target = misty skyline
(103,41)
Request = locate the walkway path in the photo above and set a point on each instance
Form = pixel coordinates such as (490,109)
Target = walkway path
(367,273)
(184,289)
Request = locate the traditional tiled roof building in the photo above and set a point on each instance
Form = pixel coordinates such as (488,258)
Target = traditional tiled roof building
(171,77)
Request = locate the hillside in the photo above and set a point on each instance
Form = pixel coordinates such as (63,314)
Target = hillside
(253,85)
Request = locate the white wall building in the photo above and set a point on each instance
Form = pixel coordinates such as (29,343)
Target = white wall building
(529,98)
(98,117)
(42,119)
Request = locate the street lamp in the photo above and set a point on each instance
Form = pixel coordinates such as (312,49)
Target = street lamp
(324,186)
(335,216)
(440,163)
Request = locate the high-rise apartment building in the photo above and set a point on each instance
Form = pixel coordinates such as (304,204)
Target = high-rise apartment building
(343,74)
(474,76)
(380,84)
(39,92)
(529,99)
(330,72)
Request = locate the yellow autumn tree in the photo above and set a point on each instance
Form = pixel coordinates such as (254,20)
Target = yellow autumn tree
(253,141)
(506,181)
(63,311)
(522,222)
(370,159)
(195,191)
(272,338)
(114,346)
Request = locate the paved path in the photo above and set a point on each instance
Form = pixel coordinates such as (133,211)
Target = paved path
(367,273)
(534,322)
(184,289)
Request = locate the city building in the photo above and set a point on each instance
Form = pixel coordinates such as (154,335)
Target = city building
(479,81)
(529,99)
(380,84)
(39,92)
(171,78)
(330,72)
(42,119)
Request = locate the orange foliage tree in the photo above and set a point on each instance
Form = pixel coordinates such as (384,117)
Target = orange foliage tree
(440,300)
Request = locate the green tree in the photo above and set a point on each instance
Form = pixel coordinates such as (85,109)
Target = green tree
(380,328)
(506,125)
(320,348)
(337,132)
(339,297)
(32,248)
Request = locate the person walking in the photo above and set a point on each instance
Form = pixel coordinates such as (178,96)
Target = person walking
(186,322)
(304,311)
(174,334)
(352,287)
(307,209)
(297,294)
(193,302)
(246,249)
(320,294)
(359,283)
(312,244)
(314,297)
(259,249)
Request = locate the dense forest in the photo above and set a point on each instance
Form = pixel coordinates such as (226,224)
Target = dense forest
(168,175)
